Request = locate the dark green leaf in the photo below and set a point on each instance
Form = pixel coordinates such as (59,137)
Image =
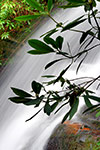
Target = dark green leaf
(20,92)
(50,82)
(40,47)
(99,34)
(94,98)
(74,108)
(73,23)
(35,102)
(89,19)
(88,91)
(50,5)
(49,33)
(36,86)
(52,63)
(66,116)
(57,97)
(62,80)
(87,101)
(47,109)
(62,73)
(79,65)
(59,41)
(50,41)
(33,115)
(35,4)
(48,76)
(19,100)
(53,106)
(40,100)
(91,108)
(38,52)
(68,82)
(95,109)
(27,17)
(83,37)
(71,5)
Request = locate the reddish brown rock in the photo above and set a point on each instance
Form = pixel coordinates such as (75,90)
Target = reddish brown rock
(74,136)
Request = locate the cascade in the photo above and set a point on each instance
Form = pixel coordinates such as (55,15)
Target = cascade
(15,133)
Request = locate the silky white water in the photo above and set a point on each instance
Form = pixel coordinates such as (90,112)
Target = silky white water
(15,133)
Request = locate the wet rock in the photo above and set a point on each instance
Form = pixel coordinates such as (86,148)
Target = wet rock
(74,136)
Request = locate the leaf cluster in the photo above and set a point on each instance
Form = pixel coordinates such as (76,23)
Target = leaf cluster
(71,92)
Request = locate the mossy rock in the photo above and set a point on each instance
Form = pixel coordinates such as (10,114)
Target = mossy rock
(63,140)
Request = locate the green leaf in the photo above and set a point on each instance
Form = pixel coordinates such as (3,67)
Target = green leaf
(89,19)
(74,109)
(83,37)
(40,47)
(50,5)
(38,52)
(48,76)
(94,98)
(49,83)
(53,106)
(66,116)
(76,1)
(35,4)
(87,101)
(19,100)
(98,114)
(62,73)
(73,24)
(27,17)
(71,5)
(88,91)
(47,109)
(36,86)
(35,102)
(52,63)
(51,41)
(57,97)
(33,115)
(59,41)
(62,80)
(49,33)
(20,92)
(91,108)
(80,63)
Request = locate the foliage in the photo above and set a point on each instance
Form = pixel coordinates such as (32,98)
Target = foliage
(11,28)
(71,91)
(9,9)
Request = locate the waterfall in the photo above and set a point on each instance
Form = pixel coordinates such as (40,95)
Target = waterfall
(15,133)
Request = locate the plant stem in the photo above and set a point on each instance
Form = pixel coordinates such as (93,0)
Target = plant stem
(52,18)
(55,20)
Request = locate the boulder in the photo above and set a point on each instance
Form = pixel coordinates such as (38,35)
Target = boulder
(74,136)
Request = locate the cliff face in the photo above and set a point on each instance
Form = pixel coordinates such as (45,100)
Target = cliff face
(76,136)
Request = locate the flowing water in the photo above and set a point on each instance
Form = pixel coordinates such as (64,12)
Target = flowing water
(15,133)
